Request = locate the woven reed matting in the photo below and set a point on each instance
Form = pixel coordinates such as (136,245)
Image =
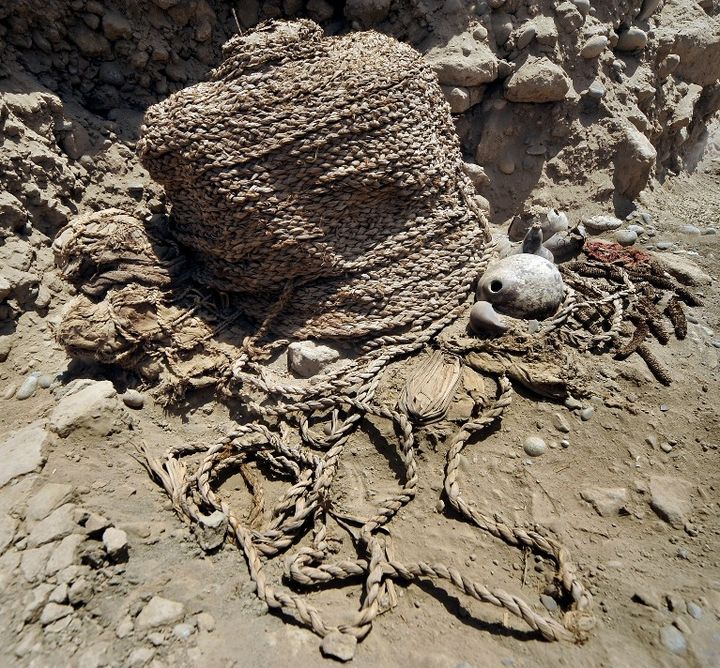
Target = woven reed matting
(329,162)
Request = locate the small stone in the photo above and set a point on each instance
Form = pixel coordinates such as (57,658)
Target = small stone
(632,39)
(35,601)
(694,610)
(339,646)
(80,592)
(133,399)
(89,406)
(54,611)
(638,229)
(28,388)
(140,656)
(560,424)
(600,224)
(709,230)
(572,403)
(205,622)
(670,499)
(32,563)
(116,544)
(59,594)
(587,413)
(565,443)
(159,612)
(96,524)
(606,501)
(594,47)
(506,165)
(306,358)
(57,525)
(124,627)
(22,452)
(690,229)
(626,237)
(48,498)
(596,91)
(666,447)
(549,602)
(538,80)
(183,631)
(664,245)
(673,639)
(534,446)
(210,530)
(156,638)
(65,554)
(647,597)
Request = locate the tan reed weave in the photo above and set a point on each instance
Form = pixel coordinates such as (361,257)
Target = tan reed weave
(327,164)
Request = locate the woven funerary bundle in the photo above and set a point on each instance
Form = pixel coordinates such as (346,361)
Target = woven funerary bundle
(330,165)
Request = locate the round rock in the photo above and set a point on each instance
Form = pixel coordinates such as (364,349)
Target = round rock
(522,286)
(534,446)
(594,47)
(632,39)
(133,399)
(339,646)
(626,237)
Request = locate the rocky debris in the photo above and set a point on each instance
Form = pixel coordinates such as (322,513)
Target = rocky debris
(538,80)
(307,358)
(461,98)
(115,542)
(685,270)
(22,452)
(339,645)
(33,560)
(463,61)
(91,406)
(607,501)
(670,499)
(53,611)
(159,612)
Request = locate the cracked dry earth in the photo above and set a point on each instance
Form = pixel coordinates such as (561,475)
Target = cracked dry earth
(96,569)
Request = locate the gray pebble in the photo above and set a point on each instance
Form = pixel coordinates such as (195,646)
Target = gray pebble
(664,245)
(690,229)
(183,631)
(573,403)
(534,446)
(587,413)
(27,389)
(673,639)
(638,229)
(565,443)
(45,381)
(666,447)
(133,399)
(651,441)
(647,217)
(626,237)
(716,343)
(709,230)
(549,602)
(694,610)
